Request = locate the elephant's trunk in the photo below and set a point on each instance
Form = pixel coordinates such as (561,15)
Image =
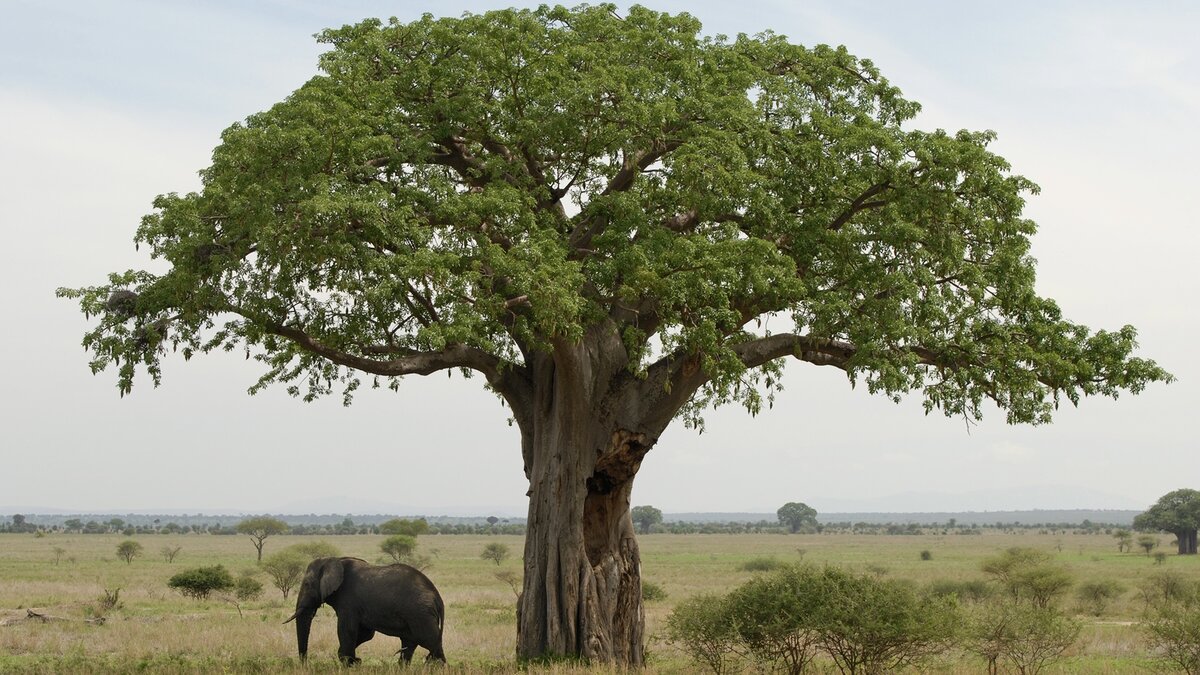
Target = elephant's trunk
(303,626)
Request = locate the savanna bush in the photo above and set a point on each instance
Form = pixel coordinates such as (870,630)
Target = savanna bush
(762,564)
(971,590)
(786,619)
(652,592)
(1030,575)
(1094,596)
(200,582)
(1173,631)
(701,627)
(1026,636)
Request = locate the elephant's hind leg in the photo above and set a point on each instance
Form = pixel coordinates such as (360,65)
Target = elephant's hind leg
(407,648)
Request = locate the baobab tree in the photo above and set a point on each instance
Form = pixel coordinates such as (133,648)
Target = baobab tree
(598,214)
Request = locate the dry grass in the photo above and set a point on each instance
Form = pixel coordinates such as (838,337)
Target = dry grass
(157,630)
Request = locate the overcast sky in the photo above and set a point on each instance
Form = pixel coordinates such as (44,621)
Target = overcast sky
(104,105)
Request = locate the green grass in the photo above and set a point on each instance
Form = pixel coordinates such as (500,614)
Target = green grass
(159,631)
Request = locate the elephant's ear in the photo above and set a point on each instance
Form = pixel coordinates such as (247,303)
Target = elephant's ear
(331,577)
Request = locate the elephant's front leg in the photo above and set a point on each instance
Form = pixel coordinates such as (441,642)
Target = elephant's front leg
(348,633)
(407,648)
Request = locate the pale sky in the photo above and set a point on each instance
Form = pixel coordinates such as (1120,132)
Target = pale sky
(104,105)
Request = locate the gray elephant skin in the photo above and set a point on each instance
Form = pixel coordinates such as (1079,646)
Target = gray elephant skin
(395,600)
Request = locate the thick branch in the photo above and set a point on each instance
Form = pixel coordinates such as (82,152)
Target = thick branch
(861,203)
(631,167)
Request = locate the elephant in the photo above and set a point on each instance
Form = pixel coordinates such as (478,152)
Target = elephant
(395,600)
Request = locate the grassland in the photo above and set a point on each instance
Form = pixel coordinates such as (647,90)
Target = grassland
(157,630)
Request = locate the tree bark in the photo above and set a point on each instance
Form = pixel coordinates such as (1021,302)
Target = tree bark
(1187,542)
(581,596)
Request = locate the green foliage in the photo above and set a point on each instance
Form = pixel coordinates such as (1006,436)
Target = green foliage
(495,551)
(700,626)
(259,528)
(972,590)
(412,528)
(1094,596)
(1147,543)
(246,587)
(460,192)
(1173,631)
(200,582)
(1169,586)
(1175,511)
(311,550)
(783,620)
(926,555)
(797,515)
(1025,635)
(1124,540)
(762,564)
(400,548)
(645,517)
(128,550)
(285,568)
(1029,574)
(652,592)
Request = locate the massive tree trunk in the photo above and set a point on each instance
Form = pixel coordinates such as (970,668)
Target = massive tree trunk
(583,442)
(1187,542)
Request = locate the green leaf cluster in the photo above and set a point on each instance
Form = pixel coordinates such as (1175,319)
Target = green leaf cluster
(464,193)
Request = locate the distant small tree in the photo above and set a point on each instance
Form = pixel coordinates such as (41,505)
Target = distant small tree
(59,552)
(492,520)
(259,528)
(1124,540)
(646,516)
(169,553)
(796,515)
(200,582)
(1147,543)
(285,568)
(495,551)
(128,550)
(412,528)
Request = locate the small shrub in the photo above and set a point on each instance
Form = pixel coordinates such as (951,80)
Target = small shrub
(128,550)
(1160,557)
(652,592)
(285,569)
(701,627)
(975,590)
(495,551)
(926,555)
(763,564)
(1094,596)
(200,582)
(169,553)
(247,588)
